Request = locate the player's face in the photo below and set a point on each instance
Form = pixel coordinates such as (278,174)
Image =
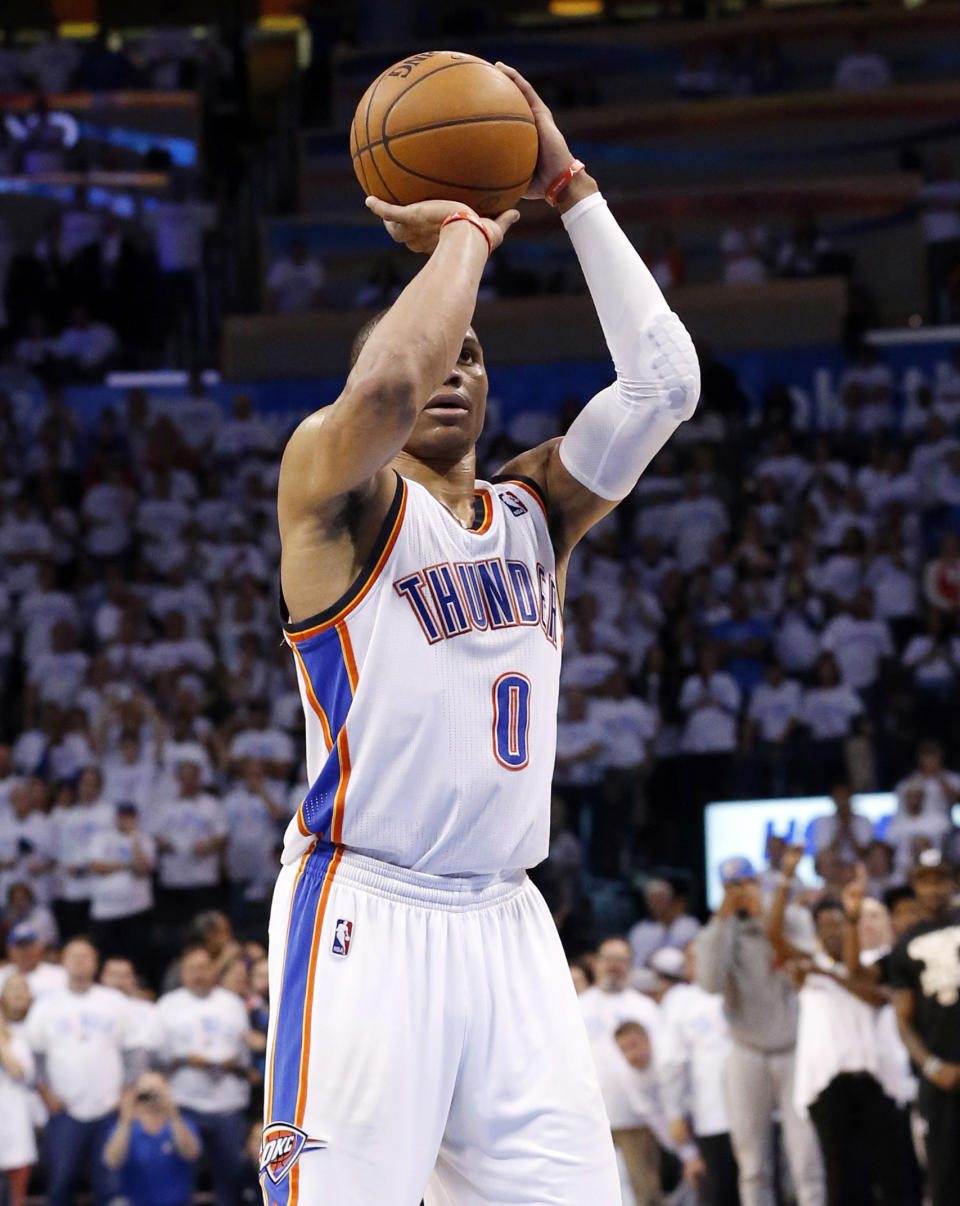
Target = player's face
(450,424)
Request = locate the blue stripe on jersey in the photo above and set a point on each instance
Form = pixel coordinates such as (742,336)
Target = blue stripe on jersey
(326,668)
(287,1072)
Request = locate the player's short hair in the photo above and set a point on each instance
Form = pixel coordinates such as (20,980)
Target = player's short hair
(361,337)
(630,1027)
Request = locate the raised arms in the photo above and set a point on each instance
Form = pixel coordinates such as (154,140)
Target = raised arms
(334,489)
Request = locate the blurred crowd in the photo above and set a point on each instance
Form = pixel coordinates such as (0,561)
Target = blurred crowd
(802,1046)
(785,625)
(162,60)
(94,293)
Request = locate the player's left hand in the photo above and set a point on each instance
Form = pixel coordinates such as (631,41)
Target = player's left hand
(417,226)
(555,155)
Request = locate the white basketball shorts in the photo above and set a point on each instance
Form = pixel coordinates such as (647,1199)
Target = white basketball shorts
(425,1041)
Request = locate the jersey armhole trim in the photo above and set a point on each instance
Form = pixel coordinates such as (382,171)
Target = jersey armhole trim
(377,559)
(528,484)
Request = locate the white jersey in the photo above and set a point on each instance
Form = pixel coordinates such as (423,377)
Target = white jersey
(430,690)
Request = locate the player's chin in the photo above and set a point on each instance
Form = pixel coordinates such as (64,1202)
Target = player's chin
(432,438)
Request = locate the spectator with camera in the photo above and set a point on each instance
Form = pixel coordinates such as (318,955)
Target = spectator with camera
(153,1148)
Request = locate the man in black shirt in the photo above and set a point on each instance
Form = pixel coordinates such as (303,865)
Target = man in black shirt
(925,974)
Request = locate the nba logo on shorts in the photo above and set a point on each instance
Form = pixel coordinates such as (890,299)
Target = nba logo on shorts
(342,934)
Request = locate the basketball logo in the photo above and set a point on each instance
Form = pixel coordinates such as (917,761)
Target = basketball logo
(343,932)
(281,1147)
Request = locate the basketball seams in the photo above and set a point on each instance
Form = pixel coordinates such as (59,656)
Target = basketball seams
(366,128)
(473,188)
(442,125)
(373,146)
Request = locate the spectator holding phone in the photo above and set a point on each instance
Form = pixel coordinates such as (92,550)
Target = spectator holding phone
(153,1147)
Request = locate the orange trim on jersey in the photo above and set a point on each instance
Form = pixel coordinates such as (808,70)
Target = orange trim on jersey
(346,645)
(276,1006)
(365,589)
(308,1012)
(512,481)
(343,746)
(343,750)
(314,702)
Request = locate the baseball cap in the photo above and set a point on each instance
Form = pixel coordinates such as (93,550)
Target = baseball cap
(930,860)
(21,935)
(669,962)
(736,868)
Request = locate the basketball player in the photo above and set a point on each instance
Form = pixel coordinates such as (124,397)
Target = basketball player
(424,1035)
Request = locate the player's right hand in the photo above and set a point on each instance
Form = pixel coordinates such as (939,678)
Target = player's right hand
(418,226)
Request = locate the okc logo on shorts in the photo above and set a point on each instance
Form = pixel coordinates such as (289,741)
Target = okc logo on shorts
(281,1147)
(342,933)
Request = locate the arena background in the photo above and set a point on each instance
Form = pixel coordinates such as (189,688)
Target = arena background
(184,258)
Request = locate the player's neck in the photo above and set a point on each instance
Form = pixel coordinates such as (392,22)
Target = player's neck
(450,482)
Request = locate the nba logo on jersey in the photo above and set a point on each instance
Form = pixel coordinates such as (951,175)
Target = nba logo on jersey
(510,500)
(341,937)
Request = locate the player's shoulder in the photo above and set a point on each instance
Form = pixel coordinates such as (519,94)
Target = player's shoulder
(520,493)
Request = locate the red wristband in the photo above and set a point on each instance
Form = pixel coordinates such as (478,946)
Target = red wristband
(561,182)
(462,215)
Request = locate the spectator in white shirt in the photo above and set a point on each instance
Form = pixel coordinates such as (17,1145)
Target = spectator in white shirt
(711,701)
(258,740)
(294,281)
(913,828)
(829,711)
(744,250)
(941,787)
(667,925)
(23,907)
(629,726)
(861,69)
(694,1050)
(932,658)
(844,832)
(121,975)
(860,643)
(26,950)
(17,1099)
(86,347)
(772,718)
(73,825)
(204,1035)
(83,1038)
(580,746)
(191,834)
(605,1006)
(255,814)
(121,861)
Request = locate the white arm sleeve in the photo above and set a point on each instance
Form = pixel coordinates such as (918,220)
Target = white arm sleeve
(620,431)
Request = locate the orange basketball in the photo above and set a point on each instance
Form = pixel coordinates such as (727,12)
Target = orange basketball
(444,125)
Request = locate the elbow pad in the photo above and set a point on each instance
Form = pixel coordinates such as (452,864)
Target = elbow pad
(621,429)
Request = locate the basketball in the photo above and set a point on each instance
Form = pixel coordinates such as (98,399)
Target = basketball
(444,125)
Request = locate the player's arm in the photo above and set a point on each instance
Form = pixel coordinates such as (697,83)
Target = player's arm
(343,448)
(618,433)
